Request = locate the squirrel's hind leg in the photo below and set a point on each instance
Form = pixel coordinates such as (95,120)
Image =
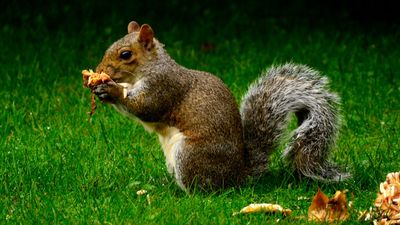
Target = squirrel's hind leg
(209,170)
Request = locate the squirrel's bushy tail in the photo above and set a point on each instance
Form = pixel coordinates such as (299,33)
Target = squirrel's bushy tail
(266,109)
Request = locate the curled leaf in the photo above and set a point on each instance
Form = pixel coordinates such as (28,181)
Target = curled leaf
(338,206)
(318,208)
(323,209)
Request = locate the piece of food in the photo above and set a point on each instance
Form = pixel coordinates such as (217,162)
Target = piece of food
(93,105)
(331,210)
(141,192)
(264,208)
(91,79)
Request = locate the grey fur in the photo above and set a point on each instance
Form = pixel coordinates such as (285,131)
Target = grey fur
(215,150)
(265,111)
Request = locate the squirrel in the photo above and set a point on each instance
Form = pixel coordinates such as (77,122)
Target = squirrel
(208,141)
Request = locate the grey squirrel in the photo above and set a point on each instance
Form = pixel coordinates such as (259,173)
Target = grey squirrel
(207,141)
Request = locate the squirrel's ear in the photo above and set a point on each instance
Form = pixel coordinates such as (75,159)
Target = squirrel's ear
(146,35)
(133,27)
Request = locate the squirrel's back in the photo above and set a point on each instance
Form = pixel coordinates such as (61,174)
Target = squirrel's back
(209,118)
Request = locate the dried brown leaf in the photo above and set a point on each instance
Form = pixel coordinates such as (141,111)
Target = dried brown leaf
(323,209)
(317,210)
(338,206)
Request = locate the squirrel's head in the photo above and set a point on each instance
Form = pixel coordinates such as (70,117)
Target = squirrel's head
(123,58)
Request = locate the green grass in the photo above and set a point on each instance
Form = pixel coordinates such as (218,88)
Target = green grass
(56,167)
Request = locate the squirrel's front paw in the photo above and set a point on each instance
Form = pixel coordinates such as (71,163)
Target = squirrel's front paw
(108,92)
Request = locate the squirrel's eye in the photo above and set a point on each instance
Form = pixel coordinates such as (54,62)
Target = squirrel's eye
(125,55)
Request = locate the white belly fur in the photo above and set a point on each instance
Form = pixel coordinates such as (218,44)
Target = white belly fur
(172,142)
(171,139)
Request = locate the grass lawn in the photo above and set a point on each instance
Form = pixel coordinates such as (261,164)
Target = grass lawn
(58,167)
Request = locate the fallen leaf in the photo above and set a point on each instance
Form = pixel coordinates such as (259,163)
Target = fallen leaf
(323,209)
(318,208)
(338,206)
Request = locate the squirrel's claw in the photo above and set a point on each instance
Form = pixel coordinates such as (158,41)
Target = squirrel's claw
(108,92)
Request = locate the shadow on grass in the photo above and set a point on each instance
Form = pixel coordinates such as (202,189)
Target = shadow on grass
(286,179)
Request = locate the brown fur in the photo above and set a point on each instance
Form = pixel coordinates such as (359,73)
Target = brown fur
(166,97)
(197,103)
